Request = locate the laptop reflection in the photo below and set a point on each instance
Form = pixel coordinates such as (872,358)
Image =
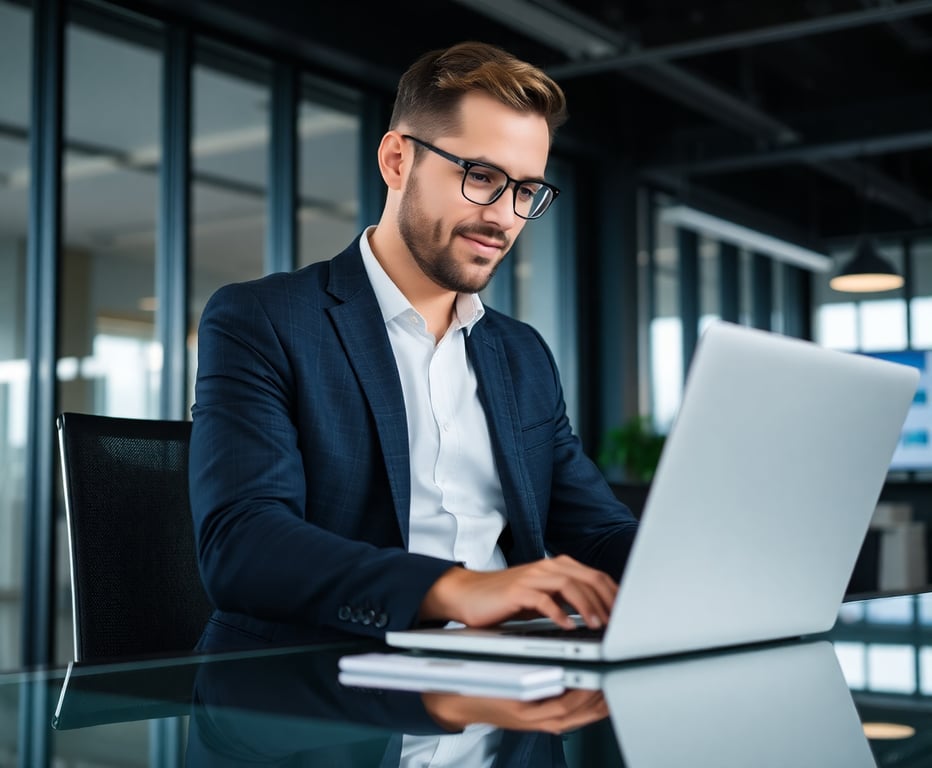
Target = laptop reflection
(779,706)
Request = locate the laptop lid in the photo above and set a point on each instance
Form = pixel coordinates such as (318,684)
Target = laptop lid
(756,514)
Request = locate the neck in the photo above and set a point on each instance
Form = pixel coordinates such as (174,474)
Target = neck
(434,303)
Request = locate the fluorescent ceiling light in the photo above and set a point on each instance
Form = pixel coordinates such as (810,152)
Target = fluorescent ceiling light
(745,237)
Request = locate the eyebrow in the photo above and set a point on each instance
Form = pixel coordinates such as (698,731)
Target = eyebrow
(541,179)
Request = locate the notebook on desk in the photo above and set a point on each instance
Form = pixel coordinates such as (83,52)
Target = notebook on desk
(757,512)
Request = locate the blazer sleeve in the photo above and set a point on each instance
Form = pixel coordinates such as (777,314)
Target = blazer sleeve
(261,550)
(584,517)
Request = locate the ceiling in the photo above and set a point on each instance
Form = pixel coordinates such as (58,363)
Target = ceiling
(810,119)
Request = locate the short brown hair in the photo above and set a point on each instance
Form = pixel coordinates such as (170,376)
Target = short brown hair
(430,91)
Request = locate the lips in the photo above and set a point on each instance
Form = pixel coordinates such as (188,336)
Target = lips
(486,242)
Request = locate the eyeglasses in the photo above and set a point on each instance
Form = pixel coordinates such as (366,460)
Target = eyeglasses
(483,184)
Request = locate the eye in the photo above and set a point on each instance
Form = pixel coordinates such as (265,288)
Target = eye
(528,192)
(480,175)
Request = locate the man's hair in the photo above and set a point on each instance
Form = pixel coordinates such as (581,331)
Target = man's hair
(429,93)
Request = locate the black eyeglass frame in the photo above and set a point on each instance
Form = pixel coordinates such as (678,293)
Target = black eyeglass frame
(467,165)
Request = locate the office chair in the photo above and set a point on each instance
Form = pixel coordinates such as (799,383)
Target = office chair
(136,589)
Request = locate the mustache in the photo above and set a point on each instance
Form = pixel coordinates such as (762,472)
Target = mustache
(486,232)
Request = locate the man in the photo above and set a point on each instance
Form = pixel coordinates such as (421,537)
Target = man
(372,448)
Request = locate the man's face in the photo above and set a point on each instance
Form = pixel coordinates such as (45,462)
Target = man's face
(456,243)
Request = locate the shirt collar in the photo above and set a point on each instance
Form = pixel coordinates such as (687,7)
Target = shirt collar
(468,309)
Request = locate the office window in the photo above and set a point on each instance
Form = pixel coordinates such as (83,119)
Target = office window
(230,150)
(920,321)
(710,299)
(924,609)
(110,362)
(110,177)
(852,658)
(328,182)
(15,37)
(745,288)
(883,325)
(891,668)
(778,320)
(666,331)
(837,326)
(542,264)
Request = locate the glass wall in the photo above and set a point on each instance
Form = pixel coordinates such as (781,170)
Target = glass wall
(15,37)
(230,154)
(667,367)
(109,361)
(710,293)
(666,329)
(544,282)
(920,306)
(329,176)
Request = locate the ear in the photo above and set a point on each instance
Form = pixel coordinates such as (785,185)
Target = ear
(394,158)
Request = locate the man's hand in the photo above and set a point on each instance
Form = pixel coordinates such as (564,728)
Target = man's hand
(559,714)
(541,588)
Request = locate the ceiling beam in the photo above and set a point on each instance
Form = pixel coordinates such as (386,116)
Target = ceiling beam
(915,37)
(770,34)
(713,203)
(653,70)
(802,153)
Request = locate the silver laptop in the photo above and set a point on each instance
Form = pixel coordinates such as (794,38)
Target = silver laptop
(757,512)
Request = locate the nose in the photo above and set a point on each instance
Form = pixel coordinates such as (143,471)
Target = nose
(502,211)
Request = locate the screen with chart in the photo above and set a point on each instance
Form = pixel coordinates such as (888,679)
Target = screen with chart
(914,451)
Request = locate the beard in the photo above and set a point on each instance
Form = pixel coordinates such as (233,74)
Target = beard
(434,257)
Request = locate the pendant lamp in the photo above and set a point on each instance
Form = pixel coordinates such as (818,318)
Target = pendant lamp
(867,271)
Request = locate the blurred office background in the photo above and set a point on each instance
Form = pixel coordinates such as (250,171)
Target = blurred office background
(722,160)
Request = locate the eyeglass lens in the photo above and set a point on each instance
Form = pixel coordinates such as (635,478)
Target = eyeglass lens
(483,184)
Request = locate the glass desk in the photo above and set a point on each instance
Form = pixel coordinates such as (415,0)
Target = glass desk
(860,695)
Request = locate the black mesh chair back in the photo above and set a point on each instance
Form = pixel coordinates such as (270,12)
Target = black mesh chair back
(136,589)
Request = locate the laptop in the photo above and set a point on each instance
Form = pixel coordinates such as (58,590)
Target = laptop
(757,512)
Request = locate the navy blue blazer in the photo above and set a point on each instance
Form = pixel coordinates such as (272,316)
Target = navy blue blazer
(299,467)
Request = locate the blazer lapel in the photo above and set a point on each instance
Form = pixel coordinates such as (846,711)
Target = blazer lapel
(358,321)
(497,395)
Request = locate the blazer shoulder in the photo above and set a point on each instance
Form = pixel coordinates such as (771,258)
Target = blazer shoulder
(311,284)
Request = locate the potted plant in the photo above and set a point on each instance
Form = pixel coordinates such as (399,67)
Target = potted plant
(629,453)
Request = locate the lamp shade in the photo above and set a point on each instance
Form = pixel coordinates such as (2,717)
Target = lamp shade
(866,272)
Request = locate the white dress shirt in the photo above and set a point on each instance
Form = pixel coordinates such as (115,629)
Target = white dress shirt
(457,507)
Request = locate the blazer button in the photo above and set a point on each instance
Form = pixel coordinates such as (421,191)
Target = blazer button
(357,616)
(344,612)
(381,620)
(368,617)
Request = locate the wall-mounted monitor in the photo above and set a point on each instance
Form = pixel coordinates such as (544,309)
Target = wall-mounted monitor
(914,451)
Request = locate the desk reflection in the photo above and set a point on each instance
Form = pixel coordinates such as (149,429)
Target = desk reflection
(291,709)
(783,705)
